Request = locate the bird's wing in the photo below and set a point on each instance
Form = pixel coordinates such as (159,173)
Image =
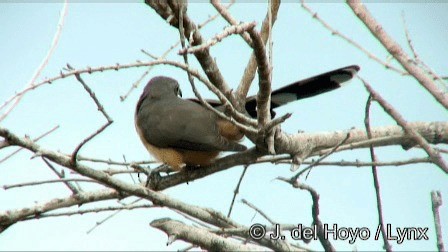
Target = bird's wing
(182,124)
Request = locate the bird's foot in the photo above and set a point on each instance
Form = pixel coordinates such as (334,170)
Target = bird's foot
(154,175)
(191,167)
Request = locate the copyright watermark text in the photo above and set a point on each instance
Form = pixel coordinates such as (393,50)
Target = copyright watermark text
(335,232)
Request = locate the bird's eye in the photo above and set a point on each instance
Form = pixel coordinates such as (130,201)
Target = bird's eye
(178,92)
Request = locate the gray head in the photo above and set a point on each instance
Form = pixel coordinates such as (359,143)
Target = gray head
(160,87)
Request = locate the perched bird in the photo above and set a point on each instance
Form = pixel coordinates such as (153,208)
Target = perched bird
(180,132)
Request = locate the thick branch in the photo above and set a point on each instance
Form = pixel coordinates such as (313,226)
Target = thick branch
(198,236)
(313,143)
(208,215)
(10,217)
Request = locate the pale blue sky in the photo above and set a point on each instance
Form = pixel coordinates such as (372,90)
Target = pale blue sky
(104,34)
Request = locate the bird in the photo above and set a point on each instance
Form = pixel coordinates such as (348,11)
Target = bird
(183,133)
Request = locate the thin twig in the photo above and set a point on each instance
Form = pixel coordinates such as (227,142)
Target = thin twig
(125,207)
(100,108)
(317,162)
(244,201)
(350,41)
(6,187)
(321,234)
(119,171)
(112,162)
(94,210)
(13,216)
(18,96)
(223,11)
(376,182)
(237,190)
(417,59)
(35,140)
(194,220)
(436,199)
(127,167)
(433,154)
(234,29)
(61,175)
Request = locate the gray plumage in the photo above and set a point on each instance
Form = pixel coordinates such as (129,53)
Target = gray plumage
(167,121)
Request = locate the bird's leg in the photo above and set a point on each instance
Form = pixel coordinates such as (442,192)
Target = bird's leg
(191,167)
(162,168)
(154,175)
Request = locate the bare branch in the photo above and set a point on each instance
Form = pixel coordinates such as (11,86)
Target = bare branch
(112,162)
(264,92)
(240,158)
(247,129)
(6,187)
(397,52)
(12,216)
(19,149)
(436,199)
(350,41)
(93,210)
(177,230)
(318,161)
(264,75)
(258,211)
(100,108)
(227,16)
(208,215)
(214,89)
(320,143)
(282,159)
(125,207)
(249,71)
(61,175)
(433,154)
(237,190)
(206,61)
(417,59)
(137,82)
(18,96)
(315,212)
(390,135)
(376,182)
(234,29)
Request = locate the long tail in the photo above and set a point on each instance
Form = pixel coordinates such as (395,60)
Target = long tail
(300,89)
(305,88)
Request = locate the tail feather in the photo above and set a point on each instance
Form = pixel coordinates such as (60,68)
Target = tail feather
(306,88)
(302,89)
